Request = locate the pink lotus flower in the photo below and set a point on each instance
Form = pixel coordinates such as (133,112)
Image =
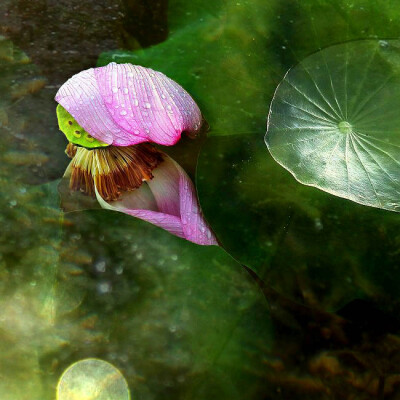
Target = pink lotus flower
(108,114)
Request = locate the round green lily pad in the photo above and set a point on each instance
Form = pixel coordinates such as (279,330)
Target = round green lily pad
(334,122)
(92,379)
(74,132)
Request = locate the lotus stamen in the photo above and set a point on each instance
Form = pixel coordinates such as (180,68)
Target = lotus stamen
(113,170)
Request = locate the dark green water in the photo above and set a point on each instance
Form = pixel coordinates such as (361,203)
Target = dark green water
(317,320)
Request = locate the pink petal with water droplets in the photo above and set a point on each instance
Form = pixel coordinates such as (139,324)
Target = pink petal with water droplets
(81,97)
(147,104)
(170,202)
(195,227)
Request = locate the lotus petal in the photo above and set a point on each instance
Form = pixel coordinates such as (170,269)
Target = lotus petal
(169,201)
(334,122)
(80,96)
(124,104)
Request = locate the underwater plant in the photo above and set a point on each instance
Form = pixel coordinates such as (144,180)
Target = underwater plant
(111,116)
(334,122)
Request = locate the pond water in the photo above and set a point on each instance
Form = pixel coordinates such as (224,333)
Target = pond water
(300,300)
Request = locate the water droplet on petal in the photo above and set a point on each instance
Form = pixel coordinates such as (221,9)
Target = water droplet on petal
(126,91)
(147,105)
(123,112)
(383,43)
(115,89)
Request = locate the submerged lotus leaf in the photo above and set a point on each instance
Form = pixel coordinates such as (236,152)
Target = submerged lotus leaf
(92,379)
(334,122)
(74,132)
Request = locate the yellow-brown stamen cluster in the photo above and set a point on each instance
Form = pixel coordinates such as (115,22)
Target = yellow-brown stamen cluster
(113,170)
